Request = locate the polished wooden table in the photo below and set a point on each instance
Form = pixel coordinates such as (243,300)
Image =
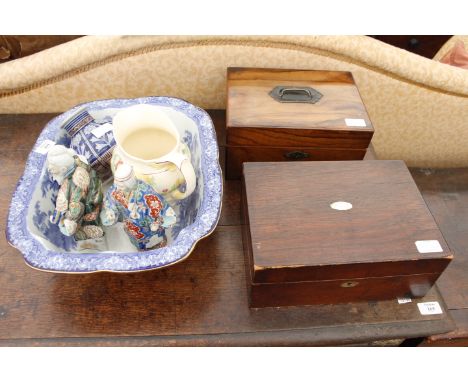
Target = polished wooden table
(201,301)
(446,193)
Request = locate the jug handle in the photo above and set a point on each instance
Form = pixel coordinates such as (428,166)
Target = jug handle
(186,168)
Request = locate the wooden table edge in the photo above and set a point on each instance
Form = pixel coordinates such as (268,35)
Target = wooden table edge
(340,335)
(456,337)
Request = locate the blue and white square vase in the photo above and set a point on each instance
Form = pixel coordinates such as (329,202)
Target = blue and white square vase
(45,248)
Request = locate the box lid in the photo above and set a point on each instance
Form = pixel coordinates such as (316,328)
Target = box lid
(338,220)
(318,104)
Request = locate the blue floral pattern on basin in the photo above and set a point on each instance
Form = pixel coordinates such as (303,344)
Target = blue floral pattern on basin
(197,215)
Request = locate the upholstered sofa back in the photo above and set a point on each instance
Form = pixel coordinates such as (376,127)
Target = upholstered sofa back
(419,107)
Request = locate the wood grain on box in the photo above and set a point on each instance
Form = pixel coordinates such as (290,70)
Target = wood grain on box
(237,155)
(260,128)
(302,251)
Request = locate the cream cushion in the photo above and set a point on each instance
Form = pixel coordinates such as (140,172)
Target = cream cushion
(419,107)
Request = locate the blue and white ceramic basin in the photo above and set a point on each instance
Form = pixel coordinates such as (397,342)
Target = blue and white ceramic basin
(45,248)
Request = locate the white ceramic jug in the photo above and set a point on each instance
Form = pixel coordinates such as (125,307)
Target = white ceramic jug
(166,173)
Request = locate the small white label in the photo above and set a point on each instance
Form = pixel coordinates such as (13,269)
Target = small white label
(355,122)
(427,308)
(341,206)
(98,132)
(428,246)
(44,147)
(403,300)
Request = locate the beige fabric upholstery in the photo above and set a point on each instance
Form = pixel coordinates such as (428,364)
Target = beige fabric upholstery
(449,45)
(419,107)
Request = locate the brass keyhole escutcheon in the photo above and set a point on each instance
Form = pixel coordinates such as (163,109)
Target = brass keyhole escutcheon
(296,155)
(349,284)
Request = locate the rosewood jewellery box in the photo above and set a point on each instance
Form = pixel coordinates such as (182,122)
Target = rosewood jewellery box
(336,232)
(291,115)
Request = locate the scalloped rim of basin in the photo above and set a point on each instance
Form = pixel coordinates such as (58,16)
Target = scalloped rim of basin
(41,258)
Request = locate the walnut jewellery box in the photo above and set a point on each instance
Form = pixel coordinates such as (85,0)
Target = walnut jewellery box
(291,115)
(336,232)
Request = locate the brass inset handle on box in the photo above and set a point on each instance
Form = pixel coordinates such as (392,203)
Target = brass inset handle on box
(295,94)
